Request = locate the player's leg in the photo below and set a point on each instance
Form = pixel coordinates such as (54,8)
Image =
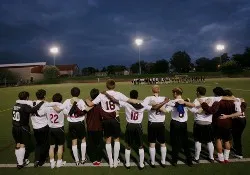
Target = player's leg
(139,141)
(209,140)
(197,137)
(73,135)
(82,136)
(60,142)
(116,135)
(175,138)
(25,144)
(152,141)
(227,137)
(38,139)
(128,140)
(97,147)
(185,143)
(52,156)
(161,137)
(17,137)
(219,149)
(107,134)
(60,162)
(239,125)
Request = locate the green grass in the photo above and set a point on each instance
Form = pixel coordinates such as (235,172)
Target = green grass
(240,87)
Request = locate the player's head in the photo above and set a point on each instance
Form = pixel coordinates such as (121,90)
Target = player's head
(110,84)
(57,98)
(218,91)
(156,89)
(134,94)
(94,93)
(75,92)
(24,95)
(40,94)
(201,91)
(227,92)
(177,92)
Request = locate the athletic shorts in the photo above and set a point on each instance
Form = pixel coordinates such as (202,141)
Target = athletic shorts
(224,134)
(77,130)
(56,136)
(134,134)
(156,132)
(112,128)
(203,133)
(21,134)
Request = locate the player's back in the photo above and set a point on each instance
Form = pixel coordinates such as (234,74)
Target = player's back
(133,114)
(154,115)
(68,105)
(94,119)
(19,115)
(39,121)
(202,116)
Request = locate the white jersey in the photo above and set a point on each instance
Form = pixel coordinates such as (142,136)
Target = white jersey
(202,116)
(153,115)
(174,113)
(107,105)
(68,105)
(55,120)
(237,104)
(134,115)
(37,121)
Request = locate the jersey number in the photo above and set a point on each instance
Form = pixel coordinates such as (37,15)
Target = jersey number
(110,105)
(157,112)
(134,115)
(16,116)
(54,118)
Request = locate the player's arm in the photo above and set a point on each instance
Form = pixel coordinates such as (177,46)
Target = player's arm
(111,98)
(94,102)
(31,110)
(158,106)
(210,109)
(234,115)
(186,103)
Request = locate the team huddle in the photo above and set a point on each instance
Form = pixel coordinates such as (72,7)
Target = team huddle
(217,119)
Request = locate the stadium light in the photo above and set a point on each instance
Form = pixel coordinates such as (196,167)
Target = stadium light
(54,51)
(220,48)
(139,42)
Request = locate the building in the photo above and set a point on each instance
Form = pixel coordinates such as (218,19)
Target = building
(34,71)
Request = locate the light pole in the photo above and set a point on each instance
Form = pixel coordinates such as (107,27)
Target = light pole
(139,42)
(54,51)
(220,48)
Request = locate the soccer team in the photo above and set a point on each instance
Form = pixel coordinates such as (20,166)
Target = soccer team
(217,119)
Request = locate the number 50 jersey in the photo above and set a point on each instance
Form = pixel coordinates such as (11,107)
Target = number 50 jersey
(55,120)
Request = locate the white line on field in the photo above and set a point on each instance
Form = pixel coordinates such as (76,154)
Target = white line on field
(107,165)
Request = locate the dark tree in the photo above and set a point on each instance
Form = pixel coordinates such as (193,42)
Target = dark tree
(161,66)
(135,67)
(89,71)
(181,61)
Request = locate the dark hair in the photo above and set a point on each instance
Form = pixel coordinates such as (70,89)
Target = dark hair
(227,92)
(40,94)
(110,84)
(177,90)
(24,95)
(57,97)
(218,91)
(94,93)
(75,92)
(201,90)
(134,94)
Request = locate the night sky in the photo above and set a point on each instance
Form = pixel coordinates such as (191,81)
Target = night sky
(102,32)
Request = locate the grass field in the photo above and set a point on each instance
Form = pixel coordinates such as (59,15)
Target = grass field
(240,88)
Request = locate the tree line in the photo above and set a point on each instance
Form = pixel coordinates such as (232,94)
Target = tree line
(181,62)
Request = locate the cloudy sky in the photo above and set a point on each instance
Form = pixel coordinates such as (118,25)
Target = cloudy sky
(102,32)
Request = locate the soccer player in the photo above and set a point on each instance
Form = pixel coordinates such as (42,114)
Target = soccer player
(134,133)
(202,129)
(222,126)
(111,122)
(156,126)
(21,129)
(41,131)
(178,127)
(56,134)
(76,125)
(238,125)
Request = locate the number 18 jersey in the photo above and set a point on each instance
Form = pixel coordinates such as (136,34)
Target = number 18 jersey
(55,120)
(134,115)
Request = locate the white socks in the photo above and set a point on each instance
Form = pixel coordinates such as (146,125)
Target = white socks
(75,153)
(210,147)
(83,150)
(163,154)
(221,157)
(20,155)
(152,155)
(116,153)
(226,154)
(197,150)
(109,153)
(141,154)
(127,157)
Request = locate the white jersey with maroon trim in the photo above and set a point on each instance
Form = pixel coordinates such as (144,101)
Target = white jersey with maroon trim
(134,115)
(154,115)
(107,105)
(55,120)
(68,105)
(174,113)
